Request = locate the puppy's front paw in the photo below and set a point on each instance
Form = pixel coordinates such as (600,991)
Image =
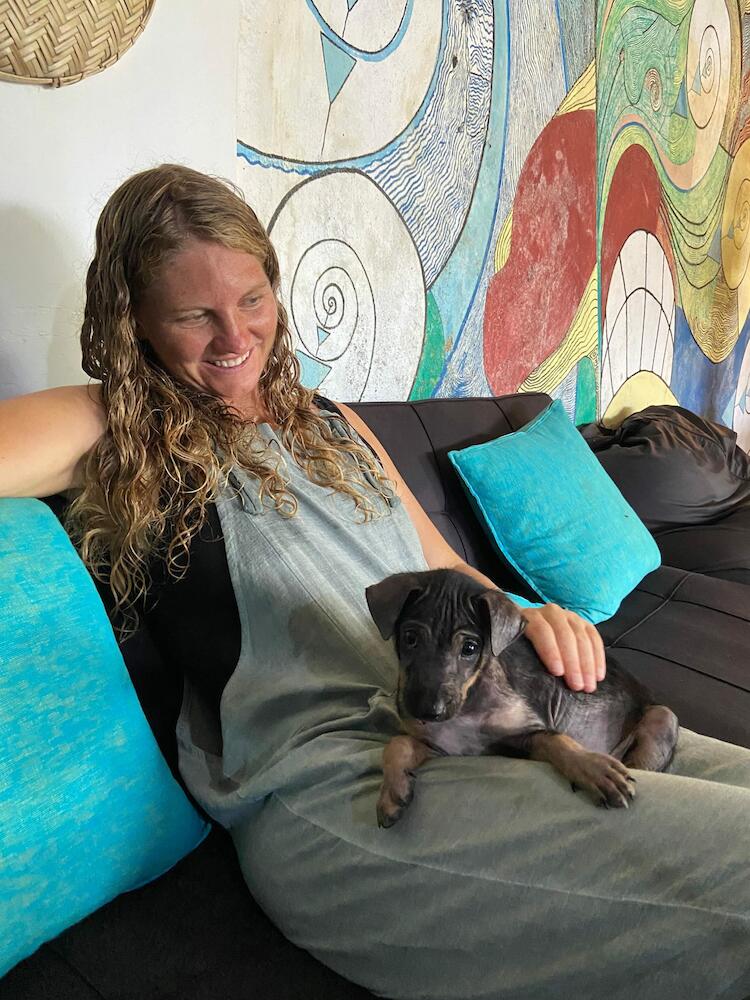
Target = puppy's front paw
(605,777)
(395,795)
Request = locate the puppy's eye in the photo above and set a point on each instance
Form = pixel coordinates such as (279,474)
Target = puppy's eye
(469,647)
(409,637)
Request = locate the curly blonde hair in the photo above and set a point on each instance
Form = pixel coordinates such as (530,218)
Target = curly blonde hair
(169,447)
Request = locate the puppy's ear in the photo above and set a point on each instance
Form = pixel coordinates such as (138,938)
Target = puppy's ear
(505,619)
(386,599)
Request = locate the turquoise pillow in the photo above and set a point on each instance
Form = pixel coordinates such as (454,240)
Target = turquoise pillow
(522,602)
(556,516)
(88,807)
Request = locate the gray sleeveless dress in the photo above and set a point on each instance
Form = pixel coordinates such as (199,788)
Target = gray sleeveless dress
(499,882)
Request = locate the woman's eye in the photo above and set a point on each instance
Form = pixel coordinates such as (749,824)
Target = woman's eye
(469,647)
(251,301)
(409,637)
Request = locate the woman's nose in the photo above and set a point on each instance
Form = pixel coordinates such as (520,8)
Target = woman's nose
(232,334)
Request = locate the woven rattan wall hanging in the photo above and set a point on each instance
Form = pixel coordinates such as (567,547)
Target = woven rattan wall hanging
(55,42)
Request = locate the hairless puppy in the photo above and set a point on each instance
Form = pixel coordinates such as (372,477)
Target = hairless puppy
(470,683)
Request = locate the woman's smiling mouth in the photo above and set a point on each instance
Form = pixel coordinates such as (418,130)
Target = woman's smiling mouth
(231,362)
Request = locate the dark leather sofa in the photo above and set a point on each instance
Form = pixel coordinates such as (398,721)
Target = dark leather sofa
(196,934)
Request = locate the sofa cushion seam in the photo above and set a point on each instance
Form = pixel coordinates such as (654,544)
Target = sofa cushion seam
(667,599)
(664,601)
(708,607)
(74,968)
(686,666)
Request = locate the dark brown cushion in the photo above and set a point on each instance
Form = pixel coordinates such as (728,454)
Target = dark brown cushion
(673,467)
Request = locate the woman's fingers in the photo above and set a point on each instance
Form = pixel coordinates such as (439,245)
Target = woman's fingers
(600,656)
(587,663)
(541,635)
(552,637)
(569,646)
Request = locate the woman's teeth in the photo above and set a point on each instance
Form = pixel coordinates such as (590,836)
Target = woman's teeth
(231,364)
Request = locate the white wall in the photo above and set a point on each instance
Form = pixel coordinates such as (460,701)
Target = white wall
(170,98)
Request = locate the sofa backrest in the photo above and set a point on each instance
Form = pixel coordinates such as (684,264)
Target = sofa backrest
(418,437)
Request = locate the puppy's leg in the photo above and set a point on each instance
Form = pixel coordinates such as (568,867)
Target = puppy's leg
(653,740)
(604,776)
(401,757)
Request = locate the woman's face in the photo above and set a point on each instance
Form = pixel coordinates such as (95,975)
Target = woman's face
(211,317)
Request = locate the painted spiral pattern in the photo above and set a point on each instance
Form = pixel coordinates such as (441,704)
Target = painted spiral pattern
(353,337)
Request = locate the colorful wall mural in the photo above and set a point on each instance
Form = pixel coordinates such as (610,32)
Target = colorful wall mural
(466,202)
(673,192)
(427,172)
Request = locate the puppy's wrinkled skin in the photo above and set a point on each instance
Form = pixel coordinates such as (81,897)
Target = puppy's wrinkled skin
(470,683)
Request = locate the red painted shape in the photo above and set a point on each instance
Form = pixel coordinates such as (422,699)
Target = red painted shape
(633,203)
(531,302)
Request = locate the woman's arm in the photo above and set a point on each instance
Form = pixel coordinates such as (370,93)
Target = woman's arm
(45,437)
(569,646)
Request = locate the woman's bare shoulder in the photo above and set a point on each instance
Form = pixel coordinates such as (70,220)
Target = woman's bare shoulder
(45,437)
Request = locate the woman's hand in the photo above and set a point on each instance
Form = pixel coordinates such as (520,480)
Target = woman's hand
(569,646)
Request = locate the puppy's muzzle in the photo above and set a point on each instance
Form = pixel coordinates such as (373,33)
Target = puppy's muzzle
(426,706)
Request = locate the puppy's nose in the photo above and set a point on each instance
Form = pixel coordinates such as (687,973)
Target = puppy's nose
(432,712)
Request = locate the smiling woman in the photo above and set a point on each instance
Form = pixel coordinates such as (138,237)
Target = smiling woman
(211,319)
(184,329)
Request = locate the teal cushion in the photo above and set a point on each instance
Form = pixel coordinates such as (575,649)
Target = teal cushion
(556,515)
(522,602)
(88,807)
